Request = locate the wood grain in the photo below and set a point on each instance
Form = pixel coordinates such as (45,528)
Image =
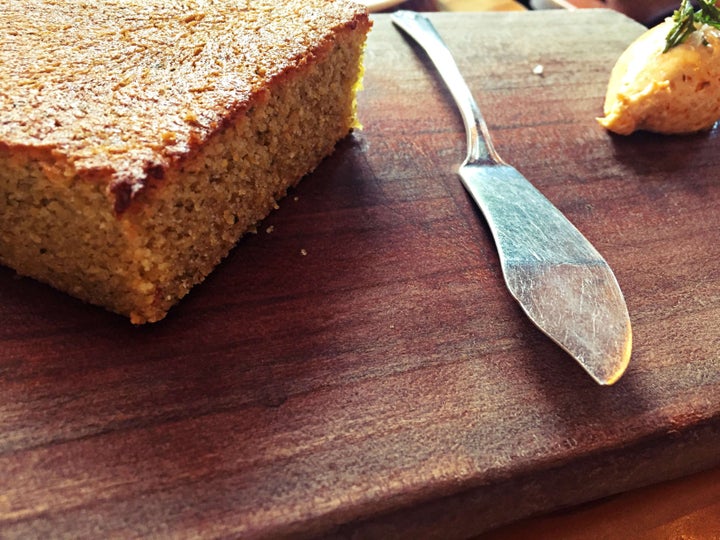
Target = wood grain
(357,368)
(684,508)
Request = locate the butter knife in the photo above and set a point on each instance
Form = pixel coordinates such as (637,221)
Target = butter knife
(560,280)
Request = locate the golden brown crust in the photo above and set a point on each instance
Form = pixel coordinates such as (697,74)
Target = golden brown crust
(145,82)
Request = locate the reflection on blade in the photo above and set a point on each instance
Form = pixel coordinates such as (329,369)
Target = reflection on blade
(562,283)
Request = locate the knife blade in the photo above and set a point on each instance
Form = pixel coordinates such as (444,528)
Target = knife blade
(562,283)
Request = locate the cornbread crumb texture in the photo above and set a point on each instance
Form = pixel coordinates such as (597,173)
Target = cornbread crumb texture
(140,140)
(671,92)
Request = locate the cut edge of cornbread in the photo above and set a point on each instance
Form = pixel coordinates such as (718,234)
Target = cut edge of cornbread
(138,248)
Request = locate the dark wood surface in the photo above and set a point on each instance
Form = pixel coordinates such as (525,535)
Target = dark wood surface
(686,508)
(360,370)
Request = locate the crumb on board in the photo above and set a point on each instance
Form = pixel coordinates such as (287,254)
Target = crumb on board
(270,229)
(303,252)
(539,70)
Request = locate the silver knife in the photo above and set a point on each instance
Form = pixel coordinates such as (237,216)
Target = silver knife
(560,280)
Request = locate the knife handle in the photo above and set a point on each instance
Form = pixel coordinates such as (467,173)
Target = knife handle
(420,29)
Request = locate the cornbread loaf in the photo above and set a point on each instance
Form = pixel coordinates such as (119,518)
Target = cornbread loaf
(140,139)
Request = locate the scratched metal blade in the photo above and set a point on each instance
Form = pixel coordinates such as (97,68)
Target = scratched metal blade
(562,283)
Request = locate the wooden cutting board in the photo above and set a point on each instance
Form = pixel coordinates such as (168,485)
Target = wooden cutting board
(357,368)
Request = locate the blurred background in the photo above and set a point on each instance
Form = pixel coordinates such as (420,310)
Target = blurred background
(647,12)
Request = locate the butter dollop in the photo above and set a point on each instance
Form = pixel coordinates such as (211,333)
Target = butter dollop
(671,92)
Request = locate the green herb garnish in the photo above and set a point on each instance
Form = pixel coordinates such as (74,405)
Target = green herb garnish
(687,20)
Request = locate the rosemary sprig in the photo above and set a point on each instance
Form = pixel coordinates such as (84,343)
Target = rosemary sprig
(687,20)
